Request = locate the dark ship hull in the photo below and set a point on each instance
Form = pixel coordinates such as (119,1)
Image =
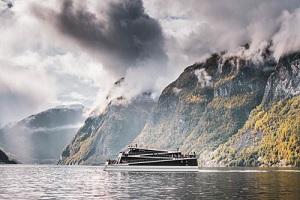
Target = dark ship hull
(138,159)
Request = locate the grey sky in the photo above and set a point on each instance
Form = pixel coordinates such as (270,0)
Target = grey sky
(58,52)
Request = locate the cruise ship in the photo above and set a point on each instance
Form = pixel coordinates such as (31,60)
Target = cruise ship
(142,159)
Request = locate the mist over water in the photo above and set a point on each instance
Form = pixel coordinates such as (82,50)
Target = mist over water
(83,182)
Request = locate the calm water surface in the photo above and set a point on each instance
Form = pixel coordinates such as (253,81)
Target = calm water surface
(82,182)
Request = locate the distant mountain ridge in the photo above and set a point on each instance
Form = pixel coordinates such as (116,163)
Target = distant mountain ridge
(40,138)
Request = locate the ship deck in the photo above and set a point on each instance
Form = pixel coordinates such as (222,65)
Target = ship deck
(147,168)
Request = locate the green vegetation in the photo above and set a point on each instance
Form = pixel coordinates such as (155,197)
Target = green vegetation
(273,138)
(223,117)
(83,148)
(191,98)
(231,102)
(224,80)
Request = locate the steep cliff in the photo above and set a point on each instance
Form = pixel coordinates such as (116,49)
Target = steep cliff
(103,136)
(206,105)
(271,135)
(40,138)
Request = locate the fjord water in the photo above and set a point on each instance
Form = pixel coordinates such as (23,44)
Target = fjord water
(82,182)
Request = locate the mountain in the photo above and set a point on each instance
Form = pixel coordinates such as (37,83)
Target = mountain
(40,138)
(231,112)
(271,135)
(4,159)
(102,136)
(206,105)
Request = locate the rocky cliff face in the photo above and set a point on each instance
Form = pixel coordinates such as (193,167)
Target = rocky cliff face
(271,135)
(103,136)
(284,83)
(41,138)
(206,105)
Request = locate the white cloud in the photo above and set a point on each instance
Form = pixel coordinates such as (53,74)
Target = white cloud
(203,78)
(287,39)
(196,28)
(176,90)
(23,91)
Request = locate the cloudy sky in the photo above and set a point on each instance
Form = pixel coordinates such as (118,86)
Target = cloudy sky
(56,52)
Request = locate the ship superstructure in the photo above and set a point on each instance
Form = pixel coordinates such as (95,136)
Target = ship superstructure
(142,159)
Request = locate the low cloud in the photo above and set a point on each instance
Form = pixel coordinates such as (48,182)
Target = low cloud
(196,29)
(203,78)
(287,39)
(23,92)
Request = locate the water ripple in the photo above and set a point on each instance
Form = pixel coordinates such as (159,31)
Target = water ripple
(82,182)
